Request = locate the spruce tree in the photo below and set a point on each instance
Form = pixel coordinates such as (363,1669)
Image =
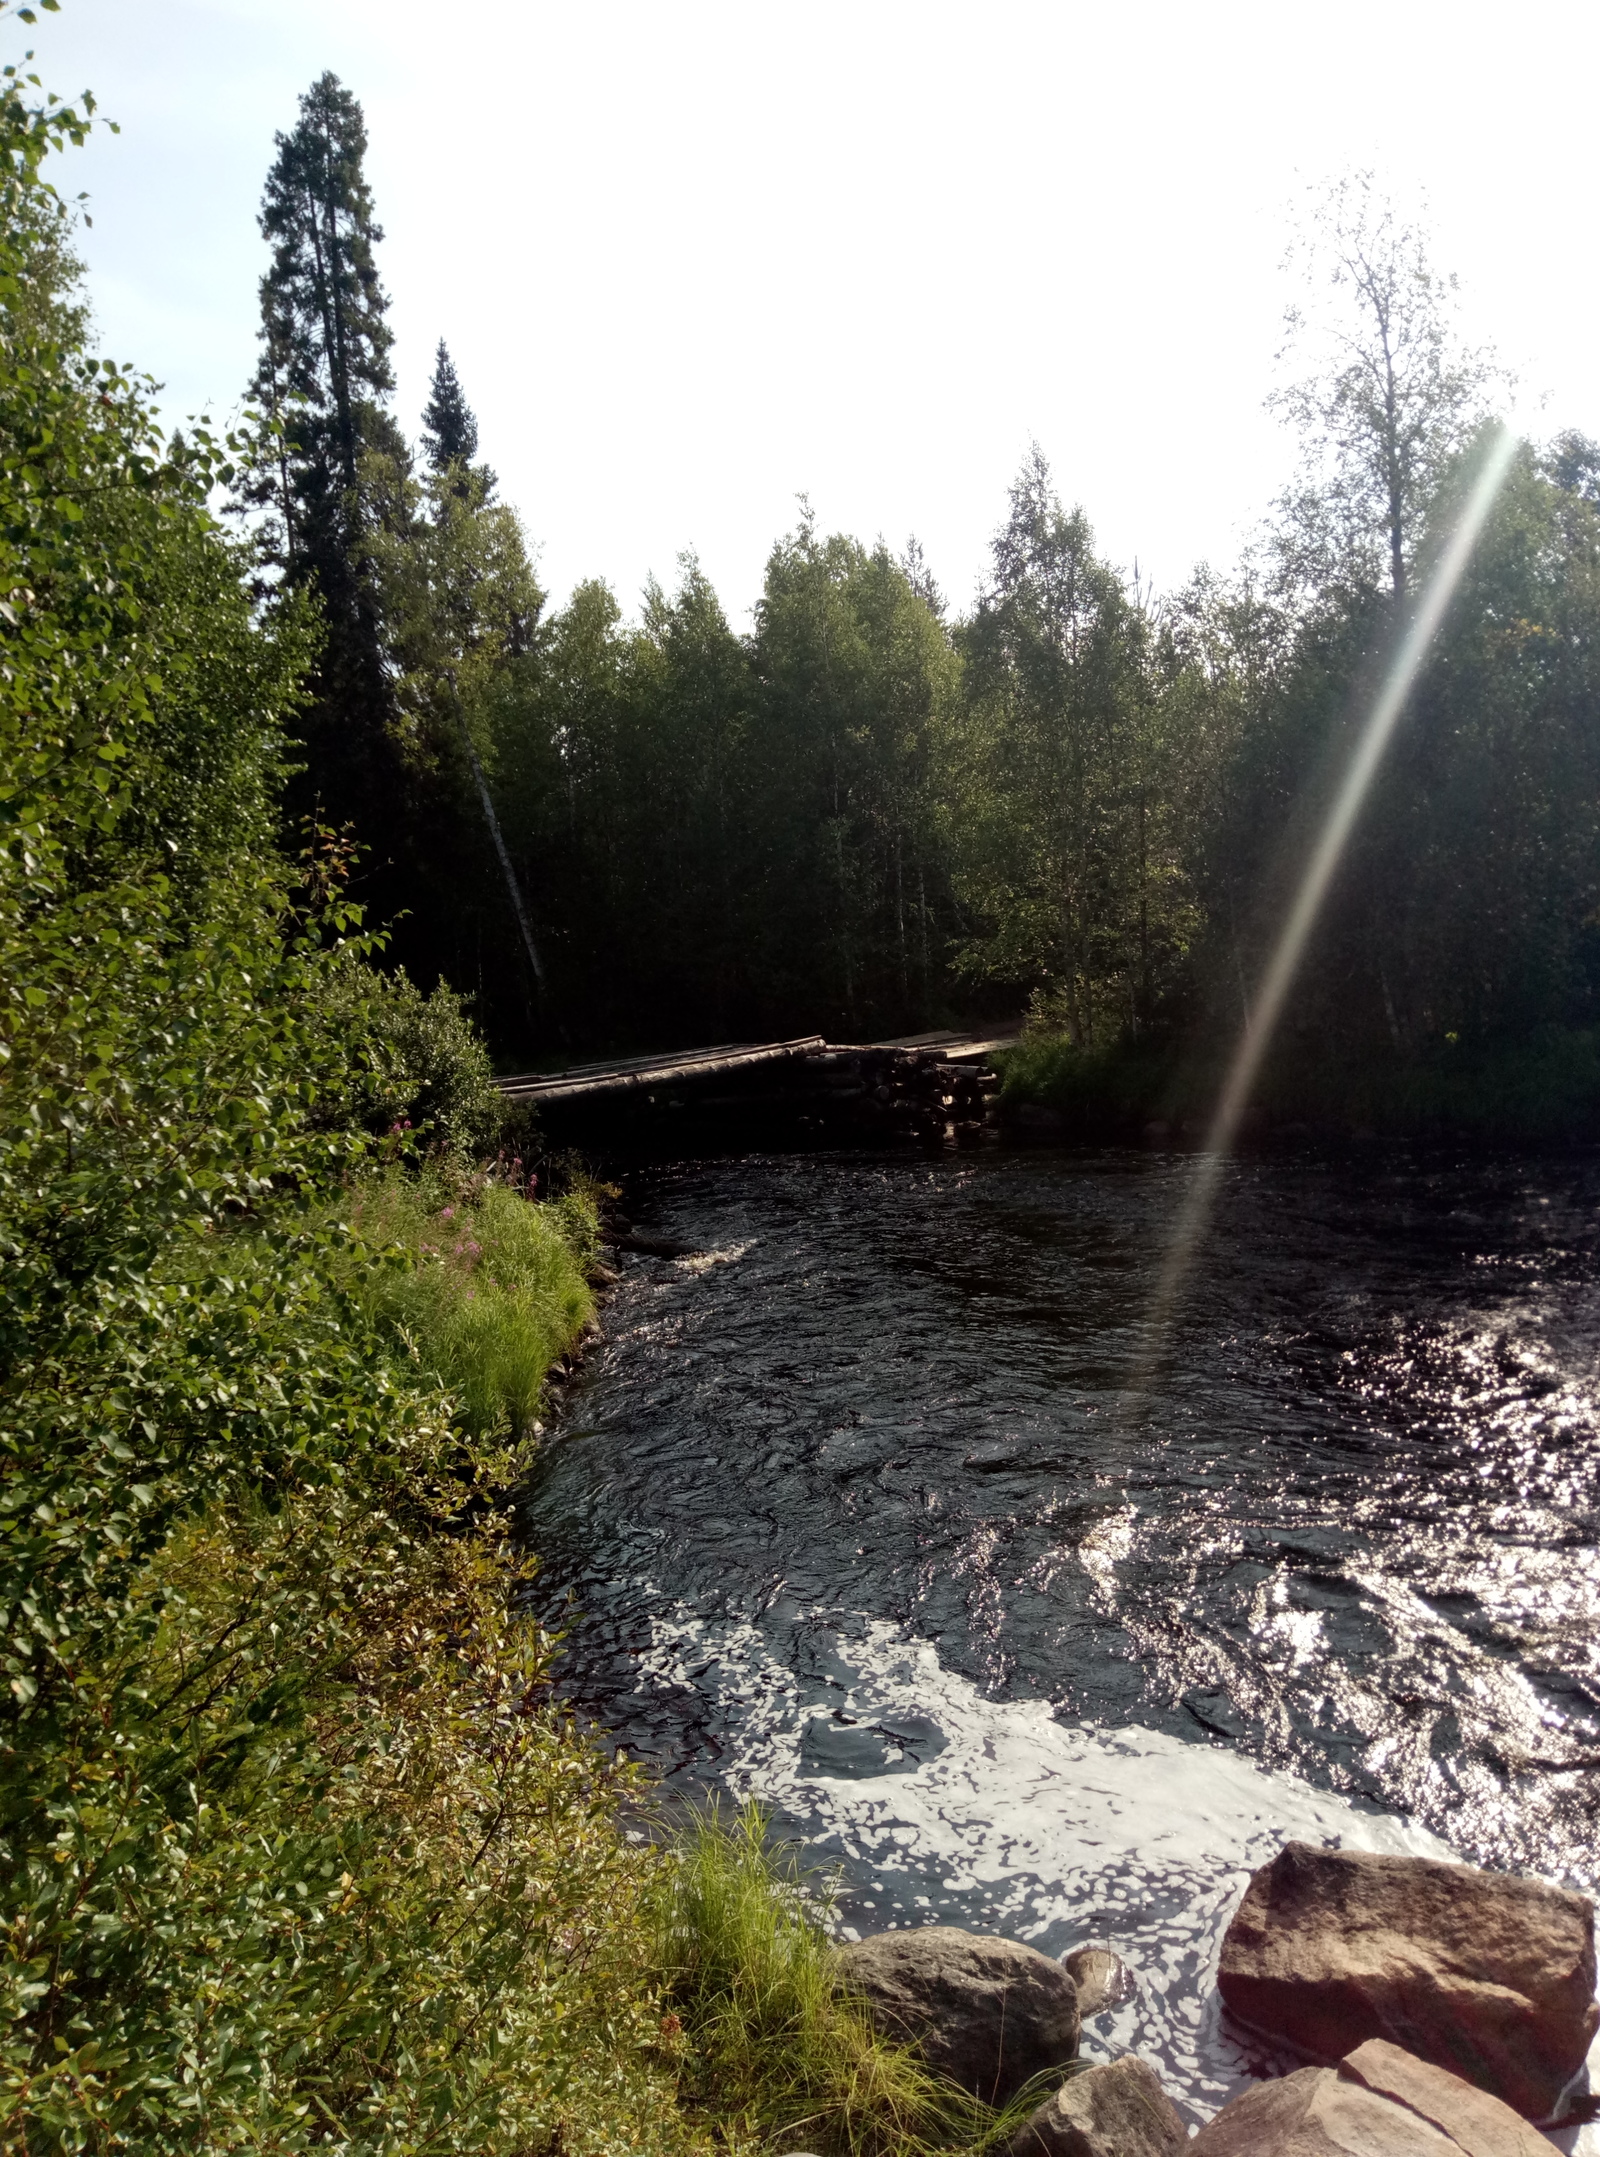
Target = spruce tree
(450,430)
(324,375)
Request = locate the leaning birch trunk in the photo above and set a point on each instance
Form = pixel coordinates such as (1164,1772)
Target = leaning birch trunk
(493,822)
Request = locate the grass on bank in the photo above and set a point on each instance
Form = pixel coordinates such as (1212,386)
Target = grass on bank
(774,2054)
(490,1292)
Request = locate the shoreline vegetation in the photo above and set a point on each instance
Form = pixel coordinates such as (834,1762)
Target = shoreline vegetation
(1543,1091)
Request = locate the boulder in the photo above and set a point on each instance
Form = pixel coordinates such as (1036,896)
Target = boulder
(1103,1979)
(1486,1974)
(1481,2124)
(1318,2113)
(1118,2110)
(988,2013)
(1378,2102)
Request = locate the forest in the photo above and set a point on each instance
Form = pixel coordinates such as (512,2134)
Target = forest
(875,812)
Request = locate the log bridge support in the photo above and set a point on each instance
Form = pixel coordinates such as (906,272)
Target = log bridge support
(893,1092)
(934,1089)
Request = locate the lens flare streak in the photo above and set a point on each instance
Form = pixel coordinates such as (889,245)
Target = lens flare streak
(1289,950)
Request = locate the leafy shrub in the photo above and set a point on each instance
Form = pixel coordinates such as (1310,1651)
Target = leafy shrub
(1543,1090)
(1104,1091)
(427,1066)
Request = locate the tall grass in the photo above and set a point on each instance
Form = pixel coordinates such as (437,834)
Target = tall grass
(771,2043)
(486,1289)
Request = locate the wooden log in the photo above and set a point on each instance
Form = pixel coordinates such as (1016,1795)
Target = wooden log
(645,1072)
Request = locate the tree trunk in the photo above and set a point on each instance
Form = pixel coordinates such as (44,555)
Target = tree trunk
(1145,996)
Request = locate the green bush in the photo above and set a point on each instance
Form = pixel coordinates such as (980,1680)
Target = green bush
(1106,1091)
(428,1070)
(1544,1090)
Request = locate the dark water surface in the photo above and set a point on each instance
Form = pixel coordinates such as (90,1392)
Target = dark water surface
(857,1520)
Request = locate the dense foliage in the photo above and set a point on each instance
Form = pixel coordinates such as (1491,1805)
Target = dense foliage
(277,1789)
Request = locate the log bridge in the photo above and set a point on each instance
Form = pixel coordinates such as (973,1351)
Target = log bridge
(934,1088)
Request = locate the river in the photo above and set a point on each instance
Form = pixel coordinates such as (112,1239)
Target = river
(851,1514)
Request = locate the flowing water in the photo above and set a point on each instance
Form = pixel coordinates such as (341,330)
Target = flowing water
(852,1515)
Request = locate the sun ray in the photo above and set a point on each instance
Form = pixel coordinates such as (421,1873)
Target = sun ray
(1195,1213)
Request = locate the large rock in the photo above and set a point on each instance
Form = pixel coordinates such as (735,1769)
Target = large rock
(988,2013)
(1483,1973)
(1317,2113)
(1379,2102)
(1119,2110)
(1481,2124)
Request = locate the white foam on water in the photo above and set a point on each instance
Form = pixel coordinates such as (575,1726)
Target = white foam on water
(1025,1825)
(728,1254)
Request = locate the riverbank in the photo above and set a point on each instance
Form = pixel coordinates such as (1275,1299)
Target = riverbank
(398,1898)
(1544,1091)
(681,1981)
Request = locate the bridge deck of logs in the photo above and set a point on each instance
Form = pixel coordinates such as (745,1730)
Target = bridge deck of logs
(934,1087)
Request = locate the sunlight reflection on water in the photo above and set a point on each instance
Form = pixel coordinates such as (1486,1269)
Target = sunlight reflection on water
(1347,1566)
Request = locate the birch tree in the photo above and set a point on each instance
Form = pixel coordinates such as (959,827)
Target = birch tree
(1381,389)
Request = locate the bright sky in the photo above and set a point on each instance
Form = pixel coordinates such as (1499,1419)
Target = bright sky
(694,258)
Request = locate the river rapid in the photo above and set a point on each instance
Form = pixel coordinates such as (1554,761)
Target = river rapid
(851,1514)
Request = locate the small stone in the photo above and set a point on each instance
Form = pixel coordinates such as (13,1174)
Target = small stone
(988,2013)
(1118,2110)
(1103,1979)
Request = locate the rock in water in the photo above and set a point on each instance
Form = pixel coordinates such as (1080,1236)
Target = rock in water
(1119,2110)
(988,2013)
(1379,2102)
(1480,2123)
(1317,2113)
(1483,1973)
(1103,1979)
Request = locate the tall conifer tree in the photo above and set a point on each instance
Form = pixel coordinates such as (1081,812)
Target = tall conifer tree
(450,431)
(324,375)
